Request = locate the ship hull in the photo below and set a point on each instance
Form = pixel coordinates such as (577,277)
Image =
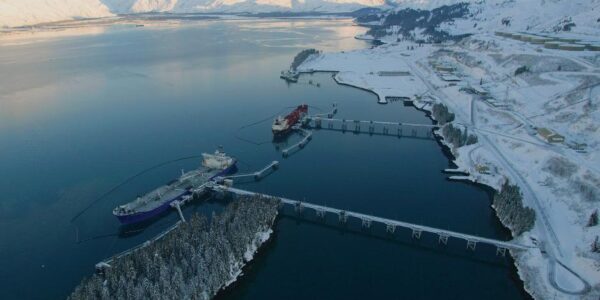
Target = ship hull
(146,215)
(281,133)
(290,120)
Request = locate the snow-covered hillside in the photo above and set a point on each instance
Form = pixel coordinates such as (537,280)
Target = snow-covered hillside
(148,5)
(484,15)
(440,19)
(26,12)
(532,15)
(476,79)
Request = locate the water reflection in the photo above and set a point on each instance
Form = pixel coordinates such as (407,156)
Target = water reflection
(75,121)
(80,114)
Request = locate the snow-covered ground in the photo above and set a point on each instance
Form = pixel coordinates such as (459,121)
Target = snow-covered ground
(484,15)
(236,270)
(374,74)
(530,15)
(559,183)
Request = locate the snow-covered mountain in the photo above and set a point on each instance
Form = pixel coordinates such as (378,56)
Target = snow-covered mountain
(482,14)
(444,19)
(532,15)
(186,6)
(26,12)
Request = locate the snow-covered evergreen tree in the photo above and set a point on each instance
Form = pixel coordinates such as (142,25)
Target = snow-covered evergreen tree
(194,261)
(509,205)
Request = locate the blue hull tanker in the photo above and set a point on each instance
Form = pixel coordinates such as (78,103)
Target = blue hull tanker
(159,200)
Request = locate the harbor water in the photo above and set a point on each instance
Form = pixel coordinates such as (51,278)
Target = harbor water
(80,114)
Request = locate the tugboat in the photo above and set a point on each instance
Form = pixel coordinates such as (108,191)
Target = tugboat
(159,200)
(282,125)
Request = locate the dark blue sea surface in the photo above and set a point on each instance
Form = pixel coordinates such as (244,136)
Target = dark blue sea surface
(80,114)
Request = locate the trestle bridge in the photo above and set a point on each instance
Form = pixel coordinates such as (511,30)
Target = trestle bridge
(372,127)
(391,225)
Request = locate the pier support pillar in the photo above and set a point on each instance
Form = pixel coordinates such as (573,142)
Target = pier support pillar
(399,131)
(390,228)
(501,251)
(385,130)
(414,132)
(344,127)
(471,244)
(318,122)
(342,216)
(330,125)
(366,223)
(443,239)
(416,233)
(320,213)
(298,207)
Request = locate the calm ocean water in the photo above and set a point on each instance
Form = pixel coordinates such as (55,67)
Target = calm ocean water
(80,114)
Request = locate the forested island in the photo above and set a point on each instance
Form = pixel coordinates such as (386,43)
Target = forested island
(194,261)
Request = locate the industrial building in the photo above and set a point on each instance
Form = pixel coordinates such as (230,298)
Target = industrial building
(550,136)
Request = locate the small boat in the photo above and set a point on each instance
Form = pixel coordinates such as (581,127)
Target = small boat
(159,200)
(282,125)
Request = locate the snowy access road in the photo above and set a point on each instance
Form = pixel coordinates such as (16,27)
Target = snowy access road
(528,193)
(507,145)
(545,231)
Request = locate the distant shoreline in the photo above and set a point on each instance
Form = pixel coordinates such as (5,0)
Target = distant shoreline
(10,36)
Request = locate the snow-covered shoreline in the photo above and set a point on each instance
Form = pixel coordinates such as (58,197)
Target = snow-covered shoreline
(542,272)
(259,240)
(460,164)
(527,282)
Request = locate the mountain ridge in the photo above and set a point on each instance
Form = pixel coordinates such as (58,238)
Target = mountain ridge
(483,15)
(14,13)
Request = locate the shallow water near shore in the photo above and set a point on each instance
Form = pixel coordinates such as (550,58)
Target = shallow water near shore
(81,114)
